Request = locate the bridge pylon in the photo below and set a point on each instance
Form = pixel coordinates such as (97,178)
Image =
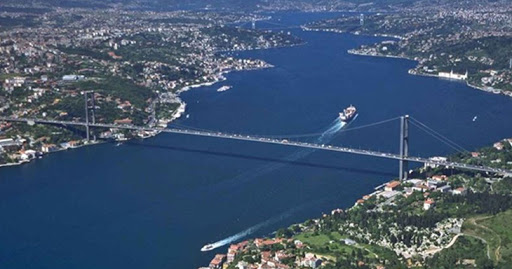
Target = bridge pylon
(90,106)
(404,147)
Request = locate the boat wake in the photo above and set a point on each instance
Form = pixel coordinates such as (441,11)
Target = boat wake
(235,237)
(248,231)
(326,136)
(330,132)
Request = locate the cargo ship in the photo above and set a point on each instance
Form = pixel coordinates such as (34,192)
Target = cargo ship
(348,113)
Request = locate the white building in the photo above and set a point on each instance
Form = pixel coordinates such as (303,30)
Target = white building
(28,155)
(452,75)
(460,191)
(428,204)
(72,77)
(435,159)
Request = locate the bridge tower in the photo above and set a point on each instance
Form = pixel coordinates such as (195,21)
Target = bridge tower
(90,107)
(404,147)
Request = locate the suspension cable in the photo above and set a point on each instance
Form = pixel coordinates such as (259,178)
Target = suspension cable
(439,134)
(296,135)
(439,137)
(434,136)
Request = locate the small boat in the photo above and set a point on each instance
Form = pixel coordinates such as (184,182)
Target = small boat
(119,144)
(474,119)
(207,247)
(224,88)
(188,116)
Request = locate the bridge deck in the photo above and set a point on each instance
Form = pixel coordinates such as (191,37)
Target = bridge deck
(268,141)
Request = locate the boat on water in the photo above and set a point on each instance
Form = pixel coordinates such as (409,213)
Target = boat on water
(476,117)
(348,113)
(224,88)
(207,247)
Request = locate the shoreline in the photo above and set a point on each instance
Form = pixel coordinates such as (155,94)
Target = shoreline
(42,154)
(411,71)
(164,123)
(333,30)
(415,73)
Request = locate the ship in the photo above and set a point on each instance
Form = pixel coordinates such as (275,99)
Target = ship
(208,247)
(348,113)
(224,88)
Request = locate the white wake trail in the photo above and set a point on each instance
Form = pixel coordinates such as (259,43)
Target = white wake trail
(251,230)
(325,137)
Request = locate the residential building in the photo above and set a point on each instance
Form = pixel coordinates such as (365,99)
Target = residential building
(460,191)
(445,189)
(428,204)
(217,261)
(391,186)
(47,148)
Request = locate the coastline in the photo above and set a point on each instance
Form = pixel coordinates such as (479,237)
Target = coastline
(164,123)
(453,232)
(333,30)
(42,154)
(411,71)
(415,73)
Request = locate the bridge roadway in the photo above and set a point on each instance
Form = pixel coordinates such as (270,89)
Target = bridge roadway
(268,141)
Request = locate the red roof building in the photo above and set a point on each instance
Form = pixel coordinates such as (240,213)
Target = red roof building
(391,186)
(217,261)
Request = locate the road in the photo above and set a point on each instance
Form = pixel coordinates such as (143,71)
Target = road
(267,140)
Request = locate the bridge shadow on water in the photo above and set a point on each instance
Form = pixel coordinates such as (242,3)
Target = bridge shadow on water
(260,158)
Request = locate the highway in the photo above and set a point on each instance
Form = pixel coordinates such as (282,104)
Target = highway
(267,140)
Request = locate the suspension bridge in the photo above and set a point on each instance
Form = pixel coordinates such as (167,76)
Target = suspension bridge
(266,25)
(285,140)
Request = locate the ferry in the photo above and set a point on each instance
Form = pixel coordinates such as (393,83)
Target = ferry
(208,247)
(348,113)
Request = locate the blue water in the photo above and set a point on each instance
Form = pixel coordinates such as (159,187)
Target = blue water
(155,203)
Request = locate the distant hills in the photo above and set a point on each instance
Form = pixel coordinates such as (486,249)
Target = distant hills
(245,5)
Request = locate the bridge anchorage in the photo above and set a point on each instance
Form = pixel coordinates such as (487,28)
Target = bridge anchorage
(403,156)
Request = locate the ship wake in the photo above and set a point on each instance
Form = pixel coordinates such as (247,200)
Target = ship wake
(251,230)
(326,136)
(330,132)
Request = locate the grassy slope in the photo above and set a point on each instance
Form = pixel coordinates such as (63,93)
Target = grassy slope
(467,252)
(501,224)
(496,232)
